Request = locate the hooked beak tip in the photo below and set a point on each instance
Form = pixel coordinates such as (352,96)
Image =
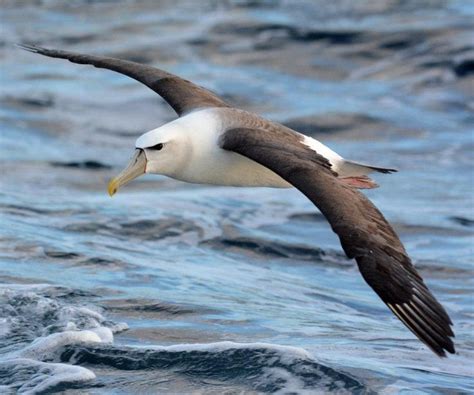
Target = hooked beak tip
(113,187)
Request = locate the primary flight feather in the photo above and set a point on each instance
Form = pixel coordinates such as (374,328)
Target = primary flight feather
(214,143)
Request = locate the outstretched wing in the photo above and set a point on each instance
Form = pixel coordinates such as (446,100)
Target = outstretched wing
(363,231)
(180,94)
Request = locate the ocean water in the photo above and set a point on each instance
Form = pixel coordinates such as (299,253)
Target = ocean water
(178,288)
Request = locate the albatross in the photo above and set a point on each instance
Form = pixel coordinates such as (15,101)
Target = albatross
(212,142)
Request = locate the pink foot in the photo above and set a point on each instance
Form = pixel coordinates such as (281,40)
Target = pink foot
(360,182)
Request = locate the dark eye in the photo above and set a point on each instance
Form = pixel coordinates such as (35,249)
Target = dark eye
(156,147)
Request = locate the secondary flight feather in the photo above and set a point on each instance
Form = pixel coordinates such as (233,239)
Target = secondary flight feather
(212,142)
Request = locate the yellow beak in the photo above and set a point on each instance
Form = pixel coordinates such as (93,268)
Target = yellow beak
(135,168)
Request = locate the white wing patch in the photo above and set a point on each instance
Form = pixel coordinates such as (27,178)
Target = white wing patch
(344,168)
(334,158)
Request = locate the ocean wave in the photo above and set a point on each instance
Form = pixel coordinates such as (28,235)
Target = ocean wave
(53,338)
(259,367)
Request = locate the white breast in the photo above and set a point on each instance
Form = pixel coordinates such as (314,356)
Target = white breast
(210,164)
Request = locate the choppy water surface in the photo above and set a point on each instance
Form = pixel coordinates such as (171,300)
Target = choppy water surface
(176,288)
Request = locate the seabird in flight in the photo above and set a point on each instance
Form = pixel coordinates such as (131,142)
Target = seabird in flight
(212,142)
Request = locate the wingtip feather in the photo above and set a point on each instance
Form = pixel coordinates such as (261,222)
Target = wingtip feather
(34,49)
(438,341)
(27,47)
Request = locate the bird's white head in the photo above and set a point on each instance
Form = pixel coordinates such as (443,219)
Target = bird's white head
(159,151)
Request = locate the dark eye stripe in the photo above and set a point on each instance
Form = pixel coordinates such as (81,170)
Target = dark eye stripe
(156,147)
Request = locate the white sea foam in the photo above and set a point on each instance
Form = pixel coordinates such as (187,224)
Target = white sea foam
(51,322)
(43,347)
(41,375)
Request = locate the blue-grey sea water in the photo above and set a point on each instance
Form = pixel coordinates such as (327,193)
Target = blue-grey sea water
(179,288)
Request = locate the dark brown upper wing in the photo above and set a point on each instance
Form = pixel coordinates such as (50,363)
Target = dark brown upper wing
(180,94)
(363,231)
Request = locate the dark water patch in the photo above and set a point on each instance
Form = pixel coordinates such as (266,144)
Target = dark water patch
(156,308)
(308,217)
(86,227)
(66,293)
(24,210)
(86,165)
(47,76)
(49,126)
(435,63)
(249,28)
(287,31)
(199,41)
(461,68)
(253,3)
(464,68)
(468,222)
(399,41)
(144,229)
(104,263)
(267,249)
(77,39)
(332,37)
(157,229)
(31,211)
(63,255)
(7,279)
(396,44)
(259,367)
(30,102)
(83,261)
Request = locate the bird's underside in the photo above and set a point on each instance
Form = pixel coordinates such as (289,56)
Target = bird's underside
(364,233)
